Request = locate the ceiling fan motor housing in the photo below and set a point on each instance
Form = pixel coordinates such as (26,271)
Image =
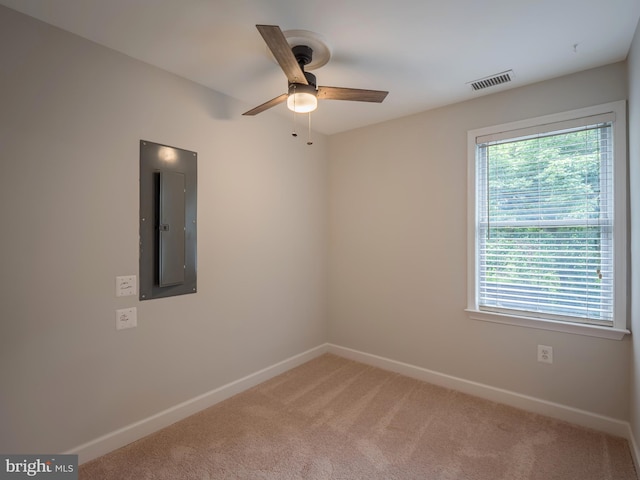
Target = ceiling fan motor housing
(311,78)
(302,88)
(303,54)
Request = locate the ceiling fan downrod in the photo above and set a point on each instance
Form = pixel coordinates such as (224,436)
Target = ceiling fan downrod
(304,55)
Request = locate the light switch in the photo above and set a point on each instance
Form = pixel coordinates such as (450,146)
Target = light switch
(126,286)
(126,318)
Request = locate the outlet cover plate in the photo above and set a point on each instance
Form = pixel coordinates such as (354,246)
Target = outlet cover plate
(126,285)
(126,318)
(545,354)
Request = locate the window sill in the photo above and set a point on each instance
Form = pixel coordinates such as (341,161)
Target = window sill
(541,324)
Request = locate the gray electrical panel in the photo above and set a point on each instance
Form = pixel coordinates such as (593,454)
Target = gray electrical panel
(168,194)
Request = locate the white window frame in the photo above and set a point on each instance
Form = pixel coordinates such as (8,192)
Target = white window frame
(619,328)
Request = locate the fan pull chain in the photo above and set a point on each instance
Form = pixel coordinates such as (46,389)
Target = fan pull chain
(293,133)
(309,142)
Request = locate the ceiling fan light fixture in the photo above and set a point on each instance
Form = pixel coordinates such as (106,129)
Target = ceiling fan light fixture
(302,98)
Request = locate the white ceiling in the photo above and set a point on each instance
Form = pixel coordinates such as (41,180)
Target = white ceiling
(422,51)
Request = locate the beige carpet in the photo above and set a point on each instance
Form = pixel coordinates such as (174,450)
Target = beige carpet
(333,418)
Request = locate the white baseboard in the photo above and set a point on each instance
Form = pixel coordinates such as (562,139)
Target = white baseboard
(576,416)
(635,451)
(123,436)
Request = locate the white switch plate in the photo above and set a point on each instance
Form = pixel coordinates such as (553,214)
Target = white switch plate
(126,318)
(545,354)
(126,285)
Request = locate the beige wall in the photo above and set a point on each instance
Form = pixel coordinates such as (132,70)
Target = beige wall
(634,182)
(71,116)
(397,274)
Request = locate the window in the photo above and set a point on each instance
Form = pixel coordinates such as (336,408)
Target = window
(547,222)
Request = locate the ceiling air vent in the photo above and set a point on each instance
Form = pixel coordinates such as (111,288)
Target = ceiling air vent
(492,81)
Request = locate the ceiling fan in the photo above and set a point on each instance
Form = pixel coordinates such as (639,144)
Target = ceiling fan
(303,92)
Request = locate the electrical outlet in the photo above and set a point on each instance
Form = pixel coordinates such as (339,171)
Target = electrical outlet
(126,318)
(545,354)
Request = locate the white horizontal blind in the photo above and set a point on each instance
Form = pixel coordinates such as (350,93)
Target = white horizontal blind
(545,223)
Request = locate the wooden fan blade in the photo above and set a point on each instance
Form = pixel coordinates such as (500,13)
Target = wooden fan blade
(281,50)
(266,105)
(354,94)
